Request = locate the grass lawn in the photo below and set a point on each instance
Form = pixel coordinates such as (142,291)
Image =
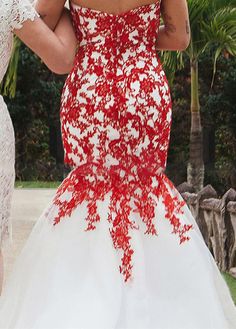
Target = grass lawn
(36,184)
(231,281)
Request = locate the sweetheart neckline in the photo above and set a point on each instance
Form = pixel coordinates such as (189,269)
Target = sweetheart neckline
(100,12)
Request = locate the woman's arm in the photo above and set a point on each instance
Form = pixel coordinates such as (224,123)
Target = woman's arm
(50,11)
(57,49)
(175,33)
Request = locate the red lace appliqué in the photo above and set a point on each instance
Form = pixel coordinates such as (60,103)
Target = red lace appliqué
(83,184)
(116,120)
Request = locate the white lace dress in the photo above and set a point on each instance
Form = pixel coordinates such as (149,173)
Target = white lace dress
(12,14)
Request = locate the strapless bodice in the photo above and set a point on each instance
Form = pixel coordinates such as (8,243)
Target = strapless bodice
(116,120)
(117,31)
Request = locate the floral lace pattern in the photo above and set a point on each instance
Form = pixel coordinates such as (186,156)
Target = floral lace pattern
(12,14)
(116,120)
(7,158)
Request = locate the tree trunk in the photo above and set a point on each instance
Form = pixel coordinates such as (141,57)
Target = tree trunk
(195,171)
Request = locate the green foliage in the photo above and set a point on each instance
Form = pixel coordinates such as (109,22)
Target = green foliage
(212,27)
(219,112)
(35,114)
(231,282)
(172,62)
(36,184)
(8,87)
(181,120)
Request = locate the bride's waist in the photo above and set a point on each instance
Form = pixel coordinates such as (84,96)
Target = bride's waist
(126,171)
(102,44)
(111,60)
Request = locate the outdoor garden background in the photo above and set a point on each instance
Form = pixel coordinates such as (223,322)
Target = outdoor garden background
(202,149)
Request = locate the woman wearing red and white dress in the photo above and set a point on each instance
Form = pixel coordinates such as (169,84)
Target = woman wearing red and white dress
(118,248)
(58,51)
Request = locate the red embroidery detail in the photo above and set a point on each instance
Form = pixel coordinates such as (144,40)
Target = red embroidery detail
(82,185)
(116,120)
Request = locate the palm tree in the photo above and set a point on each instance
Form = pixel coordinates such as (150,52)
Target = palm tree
(213,25)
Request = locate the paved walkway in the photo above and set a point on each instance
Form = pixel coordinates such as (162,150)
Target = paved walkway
(27,206)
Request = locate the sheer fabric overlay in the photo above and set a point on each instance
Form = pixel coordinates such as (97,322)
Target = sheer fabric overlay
(7,158)
(13,13)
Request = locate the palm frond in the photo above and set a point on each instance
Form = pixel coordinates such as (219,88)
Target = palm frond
(9,84)
(213,25)
(220,4)
(172,62)
(221,33)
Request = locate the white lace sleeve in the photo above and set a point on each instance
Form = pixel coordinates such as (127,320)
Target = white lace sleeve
(22,10)
(13,13)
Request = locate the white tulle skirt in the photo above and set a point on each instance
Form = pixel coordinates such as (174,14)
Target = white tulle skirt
(67,278)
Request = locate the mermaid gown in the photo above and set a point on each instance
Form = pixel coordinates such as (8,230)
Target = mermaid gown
(117,248)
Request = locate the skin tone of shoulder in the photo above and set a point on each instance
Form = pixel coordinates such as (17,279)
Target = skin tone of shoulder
(174,34)
(57,49)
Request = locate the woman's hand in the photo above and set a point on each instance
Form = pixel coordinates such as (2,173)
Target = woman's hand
(50,11)
(57,49)
(175,33)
